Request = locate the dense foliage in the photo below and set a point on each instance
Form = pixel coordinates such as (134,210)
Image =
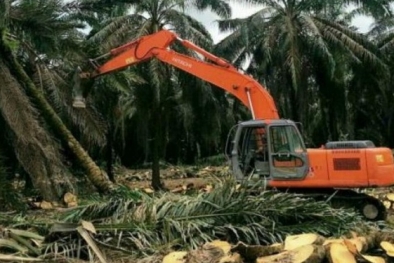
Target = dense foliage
(320,70)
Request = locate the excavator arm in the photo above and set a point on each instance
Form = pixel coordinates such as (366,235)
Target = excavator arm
(212,69)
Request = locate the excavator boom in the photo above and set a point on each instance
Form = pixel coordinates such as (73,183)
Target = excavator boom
(211,69)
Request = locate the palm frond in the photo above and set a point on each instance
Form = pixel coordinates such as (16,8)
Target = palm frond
(89,121)
(256,18)
(376,8)
(250,34)
(318,41)
(99,6)
(115,31)
(386,44)
(225,213)
(187,27)
(356,42)
(97,208)
(5,7)
(220,7)
(28,16)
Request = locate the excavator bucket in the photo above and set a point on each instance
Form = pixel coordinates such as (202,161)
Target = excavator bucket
(77,93)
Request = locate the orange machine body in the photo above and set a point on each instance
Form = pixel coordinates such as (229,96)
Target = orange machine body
(345,168)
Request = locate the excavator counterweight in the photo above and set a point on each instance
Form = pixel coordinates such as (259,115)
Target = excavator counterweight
(266,148)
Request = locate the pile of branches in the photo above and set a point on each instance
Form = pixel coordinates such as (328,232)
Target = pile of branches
(134,223)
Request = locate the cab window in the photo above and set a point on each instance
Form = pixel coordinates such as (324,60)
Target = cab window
(285,139)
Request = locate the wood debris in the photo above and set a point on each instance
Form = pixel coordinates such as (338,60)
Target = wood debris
(70,200)
(302,248)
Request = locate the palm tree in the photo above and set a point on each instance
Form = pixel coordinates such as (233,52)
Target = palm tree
(28,53)
(150,105)
(299,49)
(373,91)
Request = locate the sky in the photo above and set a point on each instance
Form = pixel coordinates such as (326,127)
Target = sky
(208,18)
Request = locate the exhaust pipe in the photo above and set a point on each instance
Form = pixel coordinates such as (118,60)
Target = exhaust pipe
(77,93)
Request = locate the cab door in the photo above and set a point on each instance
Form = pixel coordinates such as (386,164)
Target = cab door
(288,155)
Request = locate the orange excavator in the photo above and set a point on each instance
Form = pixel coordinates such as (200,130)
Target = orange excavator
(266,148)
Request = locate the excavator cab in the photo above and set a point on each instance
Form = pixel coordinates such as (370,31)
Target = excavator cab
(272,150)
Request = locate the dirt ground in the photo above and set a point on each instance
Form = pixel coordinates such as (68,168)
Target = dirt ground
(173,177)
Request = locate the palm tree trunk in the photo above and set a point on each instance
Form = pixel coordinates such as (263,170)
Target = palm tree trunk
(156,182)
(33,147)
(109,153)
(94,173)
(156,149)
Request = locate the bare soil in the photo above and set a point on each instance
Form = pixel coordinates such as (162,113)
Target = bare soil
(172,177)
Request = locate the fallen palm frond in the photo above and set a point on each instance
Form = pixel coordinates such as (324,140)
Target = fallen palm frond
(227,212)
(132,222)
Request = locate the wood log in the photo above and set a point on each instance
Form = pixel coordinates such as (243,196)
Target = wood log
(387,204)
(208,188)
(69,198)
(390,197)
(175,257)
(148,190)
(339,253)
(303,254)
(369,239)
(294,241)
(216,251)
(179,189)
(360,243)
(388,248)
(360,257)
(303,248)
(251,252)
(223,245)
(46,205)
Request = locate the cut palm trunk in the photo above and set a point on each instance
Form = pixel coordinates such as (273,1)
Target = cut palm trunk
(360,257)
(94,173)
(360,243)
(388,248)
(251,252)
(294,241)
(303,254)
(216,251)
(339,253)
(175,257)
(36,152)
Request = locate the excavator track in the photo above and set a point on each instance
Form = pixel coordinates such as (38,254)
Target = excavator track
(369,207)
